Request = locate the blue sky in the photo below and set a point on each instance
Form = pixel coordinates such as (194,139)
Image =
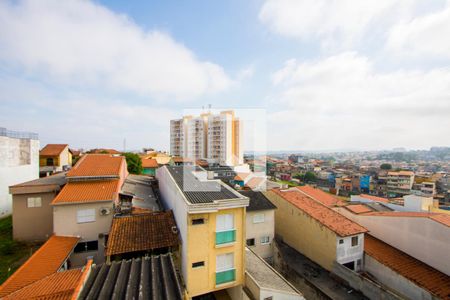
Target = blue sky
(330,74)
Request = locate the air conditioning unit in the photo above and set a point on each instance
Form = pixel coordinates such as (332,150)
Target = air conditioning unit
(105,211)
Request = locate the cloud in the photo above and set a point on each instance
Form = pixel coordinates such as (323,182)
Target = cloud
(82,43)
(342,100)
(427,35)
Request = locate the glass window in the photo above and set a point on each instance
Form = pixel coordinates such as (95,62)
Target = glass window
(86,246)
(224,222)
(259,218)
(86,215)
(341,241)
(354,241)
(265,240)
(224,262)
(34,202)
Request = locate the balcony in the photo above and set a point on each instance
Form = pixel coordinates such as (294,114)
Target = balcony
(225,276)
(225,237)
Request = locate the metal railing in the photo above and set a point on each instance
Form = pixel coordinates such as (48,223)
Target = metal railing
(18,134)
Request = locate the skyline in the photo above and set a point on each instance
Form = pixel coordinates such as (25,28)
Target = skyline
(373,76)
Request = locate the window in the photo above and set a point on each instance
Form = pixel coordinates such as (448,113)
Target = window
(265,240)
(198,264)
(250,242)
(34,202)
(341,241)
(225,222)
(259,218)
(354,241)
(86,215)
(86,246)
(49,161)
(198,221)
(224,262)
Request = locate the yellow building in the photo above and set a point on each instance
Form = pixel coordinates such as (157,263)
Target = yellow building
(54,158)
(211,221)
(317,231)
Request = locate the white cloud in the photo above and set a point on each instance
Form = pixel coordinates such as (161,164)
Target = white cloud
(83,43)
(427,35)
(342,100)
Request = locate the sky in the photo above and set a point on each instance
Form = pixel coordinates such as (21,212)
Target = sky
(330,75)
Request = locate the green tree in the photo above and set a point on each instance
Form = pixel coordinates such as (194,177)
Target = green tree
(310,177)
(134,163)
(386,167)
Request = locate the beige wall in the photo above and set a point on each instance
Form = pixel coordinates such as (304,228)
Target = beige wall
(258,230)
(303,233)
(32,223)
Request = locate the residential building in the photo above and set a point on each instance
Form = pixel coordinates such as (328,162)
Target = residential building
(410,277)
(399,183)
(320,196)
(263,282)
(19,162)
(51,257)
(85,205)
(216,137)
(54,158)
(321,234)
(260,224)
(149,166)
(32,201)
(211,222)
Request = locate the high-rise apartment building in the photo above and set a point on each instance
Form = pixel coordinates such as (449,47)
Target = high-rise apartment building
(216,137)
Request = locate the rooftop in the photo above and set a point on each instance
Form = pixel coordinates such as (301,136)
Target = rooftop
(257,201)
(401,173)
(87,191)
(321,213)
(358,208)
(149,163)
(374,198)
(435,282)
(97,165)
(59,285)
(142,232)
(52,182)
(441,218)
(200,191)
(47,260)
(147,278)
(241,176)
(255,182)
(52,149)
(320,196)
(264,275)
(141,188)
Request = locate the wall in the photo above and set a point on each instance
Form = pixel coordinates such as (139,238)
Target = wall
(369,288)
(310,238)
(348,253)
(19,162)
(25,228)
(395,281)
(258,230)
(420,237)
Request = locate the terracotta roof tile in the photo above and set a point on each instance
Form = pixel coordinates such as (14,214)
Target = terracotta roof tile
(88,191)
(141,232)
(45,261)
(97,165)
(358,208)
(52,149)
(178,159)
(323,214)
(320,196)
(241,176)
(59,285)
(444,219)
(374,198)
(149,163)
(255,182)
(104,151)
(423,275)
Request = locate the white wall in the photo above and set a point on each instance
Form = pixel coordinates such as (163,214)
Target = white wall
(19,162)
(258,230)
(420,237)
(346,252)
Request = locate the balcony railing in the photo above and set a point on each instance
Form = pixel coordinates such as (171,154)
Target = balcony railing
(225,237)
(225,276)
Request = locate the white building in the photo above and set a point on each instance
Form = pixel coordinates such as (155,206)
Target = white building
(19,162)
(215,137)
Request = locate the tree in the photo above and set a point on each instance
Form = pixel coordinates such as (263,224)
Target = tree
(309,177)
(134,163)
(386,167)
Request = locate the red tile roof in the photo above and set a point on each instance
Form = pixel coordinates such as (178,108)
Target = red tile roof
(52,149)
(444,219)
(97,165)
(104,151)
(321,213)
(374,198)
(241,176)
(178,159)
(255,182)
(320,196)
(142,232)
(149,163)
(358,208)
(59,285)
(45,261)
(88,191)
(435,282)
